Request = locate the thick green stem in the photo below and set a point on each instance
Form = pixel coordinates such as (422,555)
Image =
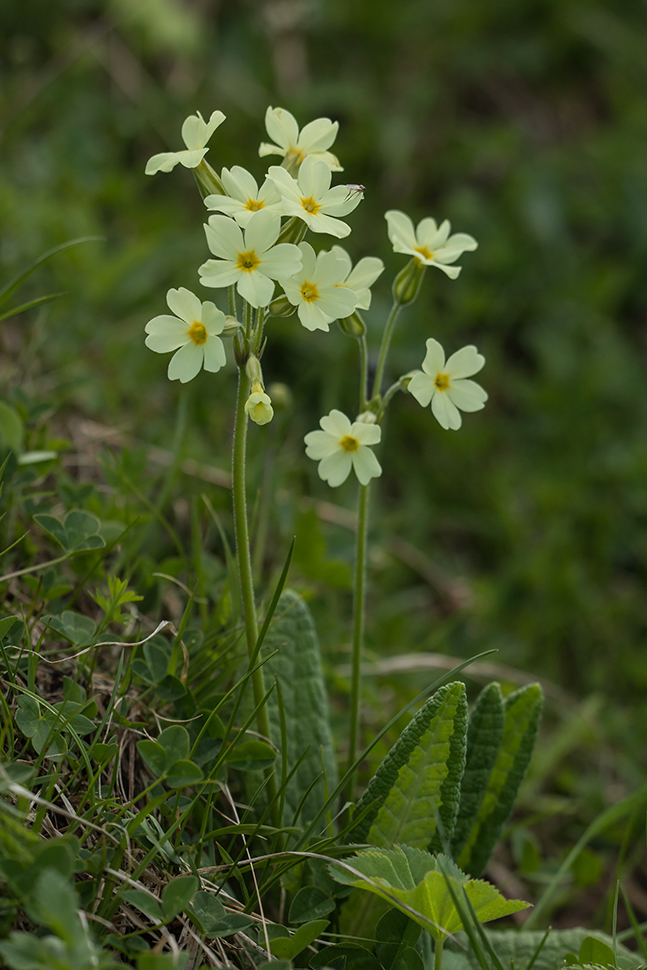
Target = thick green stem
(244,560)
(358,632)
(438,946)
(384,346)
(363,369)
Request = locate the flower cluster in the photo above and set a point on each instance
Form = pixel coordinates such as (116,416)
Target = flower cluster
(255,235)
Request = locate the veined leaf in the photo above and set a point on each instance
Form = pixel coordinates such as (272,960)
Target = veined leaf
(484,735)
(522,712)
(413,877)
(419,780)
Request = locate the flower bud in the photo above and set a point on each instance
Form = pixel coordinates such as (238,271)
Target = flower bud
(293,231)
(253,370)
(353,325)
(366,417)
(258,405)
(407,283)
(281,396)
(406,379)
(281,307)
(208,181)
(231,326)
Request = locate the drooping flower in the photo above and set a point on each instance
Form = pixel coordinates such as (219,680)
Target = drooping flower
(194,330)
(249,259)
(360,277)
(317,290)
(443,384)
(196,132)
(259,405)
(244,197)
(310,197)
(341,446)
(430,244)
(313,140)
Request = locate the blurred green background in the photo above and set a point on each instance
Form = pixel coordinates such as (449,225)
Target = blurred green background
(522,122)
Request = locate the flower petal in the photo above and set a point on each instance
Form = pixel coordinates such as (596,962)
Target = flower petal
(186,363)
(224,237)
(336,423)
(320,444)
(218,272)
(282,127)
(400,227)
(365,464)
(421,386)
(312,317)
(255,288)
(366,434)
(214,354)
(185,305)
(464,363)
(467,395)
(317,135)
(262,231)
(434,362)
(212,318)
(335,468)
(446,413)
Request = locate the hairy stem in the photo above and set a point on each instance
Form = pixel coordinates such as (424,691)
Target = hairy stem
(358,632)
(384,346)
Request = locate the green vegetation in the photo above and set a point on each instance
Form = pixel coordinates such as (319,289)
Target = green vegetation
(174,777)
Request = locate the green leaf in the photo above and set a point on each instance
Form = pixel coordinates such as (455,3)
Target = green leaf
(144,903)
(420,777)
(176,743)
(252,755)
(11,429)
(287,948)
(183,773)
(78,533)
(159,961)
(484,735)
(178,894)
(412,876)
(6,624)
(522,713)
(55,903)
(310,903)
(208,909)
(296,667)
(154,755)
(341,955)
(170,688)
(228,925)
(395,933)
(517,947)
(595,951)
(75,627)
(103,753)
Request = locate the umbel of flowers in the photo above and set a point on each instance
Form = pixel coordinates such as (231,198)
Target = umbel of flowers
(255,235)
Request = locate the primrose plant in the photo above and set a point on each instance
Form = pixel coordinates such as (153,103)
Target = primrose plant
(259,253)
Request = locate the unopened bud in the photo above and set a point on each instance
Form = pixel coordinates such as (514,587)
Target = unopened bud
(231,326)
(293,231)
(253,370)
(281,396)
(208,181)
(405,380)
(366,417)
(258,405)
(281,307)
(407,283)
(353,325)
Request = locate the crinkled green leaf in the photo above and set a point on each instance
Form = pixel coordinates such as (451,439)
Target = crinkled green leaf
(395,875)
(75,627)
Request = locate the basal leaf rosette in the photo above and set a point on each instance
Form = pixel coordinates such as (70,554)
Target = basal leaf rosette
(443,384)
(194,330)
(419,881)
(249,258)
(196,132)
(341,446)
(430,244)
(317,290)
(244,197)
(309,197)
(295,145)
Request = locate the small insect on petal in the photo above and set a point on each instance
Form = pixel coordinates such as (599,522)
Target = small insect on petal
(354,190)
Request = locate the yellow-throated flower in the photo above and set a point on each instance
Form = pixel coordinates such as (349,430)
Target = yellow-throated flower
(341,446)
(360,278)
(194,330)
(244,197)
(443,384)
(249,259)
(295,146)
(196,132)
(310,197)
(430,244)
(317,291)
(259,405)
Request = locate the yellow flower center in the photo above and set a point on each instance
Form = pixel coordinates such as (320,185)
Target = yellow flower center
(248,261)
(197,332)
(309,292)
(348,443)
(424,251)
(254,205)
(441,382)
(310,206)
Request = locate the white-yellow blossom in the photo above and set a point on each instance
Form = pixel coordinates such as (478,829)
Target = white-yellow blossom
(310,197)
(443,384)
(194,330)
(430,244)
(244,197)
(196,132)
(341,446)
(295,146)
(259,405)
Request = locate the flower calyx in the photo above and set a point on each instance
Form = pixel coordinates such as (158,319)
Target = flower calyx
(407,283)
